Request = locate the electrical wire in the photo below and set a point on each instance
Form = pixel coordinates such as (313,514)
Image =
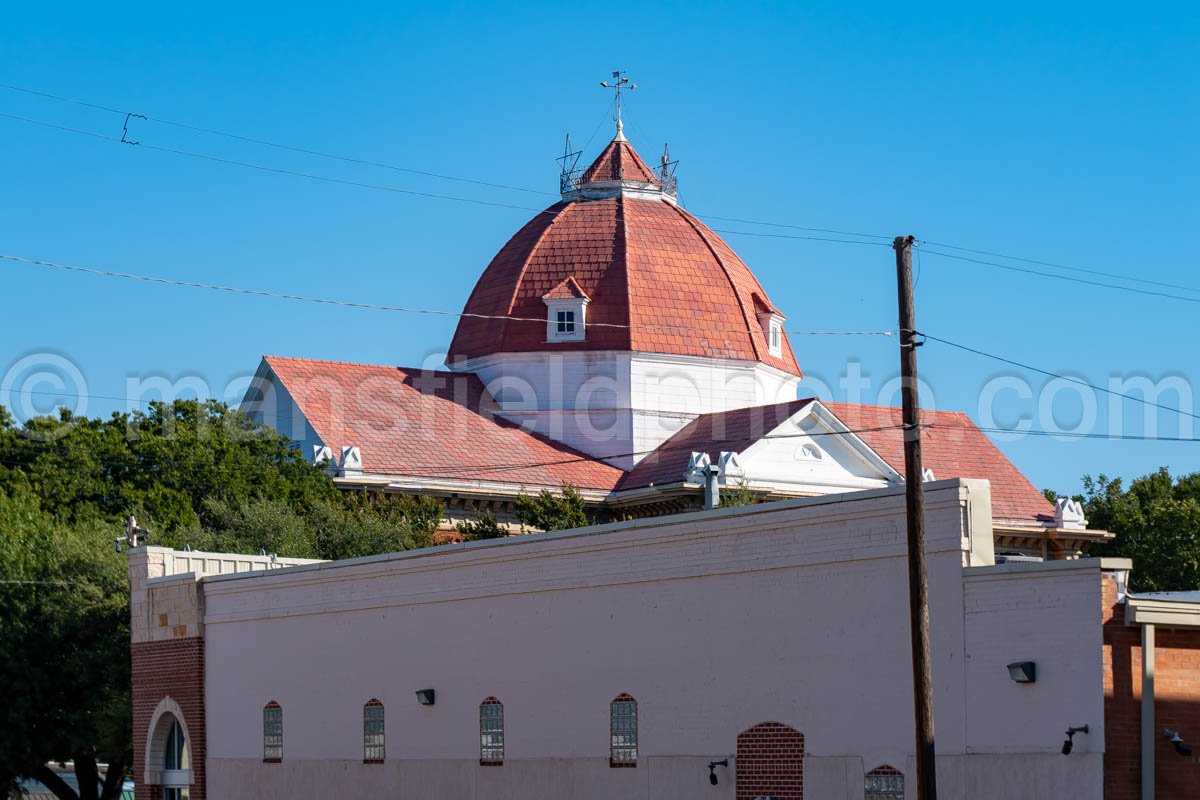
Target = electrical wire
(553,210)
(1050,374)
(365,162)
(1116,437)
(1084,281)
(1116,275)
(277,145)
(403,309)
(513,466)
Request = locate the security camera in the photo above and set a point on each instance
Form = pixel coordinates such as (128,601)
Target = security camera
(712,770)
(1069,744)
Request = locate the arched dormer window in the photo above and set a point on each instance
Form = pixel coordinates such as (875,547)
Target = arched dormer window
(885,783)
(491,732)
(373,732)
(623,729)
(566,312)
(272,733)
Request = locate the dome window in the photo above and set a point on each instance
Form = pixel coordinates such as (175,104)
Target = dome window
(566,312)
(771,322)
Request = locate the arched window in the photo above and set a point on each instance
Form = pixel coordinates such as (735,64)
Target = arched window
(272,732)
(491,732)
(176,761)
(373,739)
(885,783)
(168,752)
(623,727)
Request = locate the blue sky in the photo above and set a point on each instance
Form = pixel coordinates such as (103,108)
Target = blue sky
(1064,133)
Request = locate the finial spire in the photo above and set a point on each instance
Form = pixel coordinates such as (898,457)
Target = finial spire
(619,82)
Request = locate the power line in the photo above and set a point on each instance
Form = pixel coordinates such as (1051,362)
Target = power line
(1084,281)
(1116,437)
(885,239)
(375,307)
(797,227)
(277,145)
(1048,373)
(553,210)
(495,467)
(1116,275)
(370,163)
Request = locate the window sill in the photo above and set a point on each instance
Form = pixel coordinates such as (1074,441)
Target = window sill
(372,760)
(272,760)
(483,763)
(622,764)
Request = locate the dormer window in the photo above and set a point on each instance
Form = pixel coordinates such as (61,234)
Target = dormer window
(771,322)
(566,309)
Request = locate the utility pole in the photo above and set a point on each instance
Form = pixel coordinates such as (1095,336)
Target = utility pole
(918,585)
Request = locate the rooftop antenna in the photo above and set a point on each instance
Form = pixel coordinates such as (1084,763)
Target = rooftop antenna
(567,163)
(619,82)
(666,171)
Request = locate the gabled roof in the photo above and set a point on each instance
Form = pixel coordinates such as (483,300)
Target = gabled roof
(428,424)
(618,162)
(952,446)
(733,430)
(566,289)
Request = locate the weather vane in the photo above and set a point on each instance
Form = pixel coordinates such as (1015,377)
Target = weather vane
(619,82)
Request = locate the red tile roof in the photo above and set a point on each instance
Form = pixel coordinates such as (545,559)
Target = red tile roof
(566,289)
(618,162)
(664,280)
(429,424)
(709,433)
(952,447)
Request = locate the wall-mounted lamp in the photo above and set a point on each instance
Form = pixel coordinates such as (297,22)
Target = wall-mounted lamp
(1070,742)
(712,770)
(1174,738)
(1023,671)
(425,697)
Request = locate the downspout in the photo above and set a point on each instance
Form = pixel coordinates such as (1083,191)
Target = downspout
(1148,739)
(712,491)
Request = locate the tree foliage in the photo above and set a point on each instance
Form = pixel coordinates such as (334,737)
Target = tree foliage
(484,526)
(736,496)
(193,473)
(1156,522)
(548,511)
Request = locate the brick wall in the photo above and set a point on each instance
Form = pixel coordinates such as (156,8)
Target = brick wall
(1176,702)
(770,762)
(175,669)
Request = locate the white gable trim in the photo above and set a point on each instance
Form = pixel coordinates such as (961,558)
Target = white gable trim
(834,459)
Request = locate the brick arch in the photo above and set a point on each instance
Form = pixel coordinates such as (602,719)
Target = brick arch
(770,762)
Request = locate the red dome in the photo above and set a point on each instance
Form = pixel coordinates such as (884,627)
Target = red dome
(657,279)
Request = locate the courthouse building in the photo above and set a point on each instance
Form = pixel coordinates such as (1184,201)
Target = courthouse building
(618,345)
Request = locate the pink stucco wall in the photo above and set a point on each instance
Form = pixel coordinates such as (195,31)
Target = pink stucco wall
(792,612)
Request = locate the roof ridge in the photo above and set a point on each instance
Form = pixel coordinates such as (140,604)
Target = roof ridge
(898,408)
(750,323)
(269,358)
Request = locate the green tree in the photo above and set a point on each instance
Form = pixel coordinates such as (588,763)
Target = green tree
(484,526)
(194,473)
(740,495)
(1156,522)
(64,633)
(552,512)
